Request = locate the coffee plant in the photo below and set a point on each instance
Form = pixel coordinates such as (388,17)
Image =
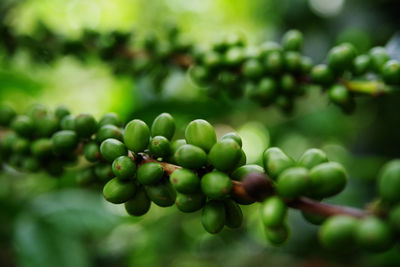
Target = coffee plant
(140,165)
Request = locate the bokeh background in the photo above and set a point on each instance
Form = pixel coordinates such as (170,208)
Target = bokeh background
(49,222)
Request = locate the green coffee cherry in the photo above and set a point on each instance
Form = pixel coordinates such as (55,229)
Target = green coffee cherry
(103,171)
(394,218)
(234,56)
(61,112)
(288,83)
(162,194)
(389,182)
(174,147)
(139,204)
(213,216)
(306,65)
(85,125)
(30,164)
(240,173)
(110,119)
(374,235)
(266,91)
(23,125)
(64,141)
(85,177)
(185,181)
(159,147)
(327,179)
(313,218)
(275,161)
(7,114)
(91,151)
(36,111)
(163,125)
(124,168)
(7,143)
(224,155)
(340,58)
(108,131)
(233,214)
(312,157)
(242,160)
(112,148)
(292,61)
(21,146)
(234,136)
(216,185)
(338,232)
(322,74)
(42,148)
(379,57)
(339,95)
(252,68)
(391,72)
(191,157)
(361,64)
(150,173)
(292,40)
(273,212)
(46,126)
(200,133)
(136,136)
(68,123)
(293,182)
(277,235)
(190,202)
(117,191)
(274,62)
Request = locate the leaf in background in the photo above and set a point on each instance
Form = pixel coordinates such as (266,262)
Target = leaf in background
(393,46)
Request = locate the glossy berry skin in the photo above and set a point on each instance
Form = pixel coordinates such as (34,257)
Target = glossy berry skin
(163,125)
(293,182)
(391,72)
(136,136)
(213,216)
(361,64)
(275,161)
(389,182)
(292,61)
(117,191)
(374,235)
(150,173)
(252,68)
(327,179)
(340,58)
(64,141)
(216,185)
(162,194)
(103,172)
(339,95)
(46,126)
(139,204)
(110,119)
(190,202)
(112,148)
(273,212)
(174,147)
(201,134)
(108,131)
(91,151)
(124,168)
(234,56)
(23,125)
(42,148)
(85,125)
(274,63)
(233,214)
(379,57)
(7,114)
(338,232)
(292,40)
(240,173)
(191,157)
(185,181)
(265,91)
(234,136)
(224,155)
(288,83)
(68,123)
(322,74)
(61,112)
(160,147)
(311,158)
(277,235)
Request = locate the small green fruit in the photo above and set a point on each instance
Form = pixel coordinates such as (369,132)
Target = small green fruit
(224,155)
(234,136)
(150,173)
(273,212)
(292,40)
(190,202)
(191,157)
(162,194)
(213,216)
(139,204)
(185,181)
(91,151)
(277,235)
(216,185)
(117,191)
(389,182)
(327,179)
(112,148)
(136,136)
(374,235)
(275,161)
(163,125)
(64,141)
(233,214)
(108,131)
(312,157)
(201,134)
(160,147)
(85,125)
(124,168)
(110,119)
(338,232)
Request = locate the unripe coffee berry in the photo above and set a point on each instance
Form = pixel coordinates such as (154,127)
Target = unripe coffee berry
(150,173)
(293,182)
(185,181)
(136,136)
(64,141)
(224,155)
(117,191)
(190,202)
(112,148)
(162,194)
(273,212)
(312,157)
(216,185)
(85,125)
(124,168)
(191,157)
(275,161)
(139,204)
(213,216)
(200,133)
(159,147)
(163,125)
(327,179)
(108,131)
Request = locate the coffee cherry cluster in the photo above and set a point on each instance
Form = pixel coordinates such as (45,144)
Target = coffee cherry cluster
(138,165)
(269,73)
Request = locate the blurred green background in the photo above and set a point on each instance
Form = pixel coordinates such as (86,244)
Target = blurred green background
(47,222)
